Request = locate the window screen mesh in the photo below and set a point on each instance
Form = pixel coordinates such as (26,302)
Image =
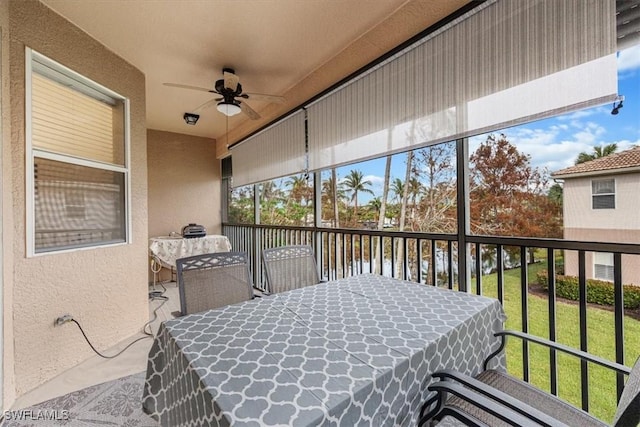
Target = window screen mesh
(77,205)
(510,62)
(275,152)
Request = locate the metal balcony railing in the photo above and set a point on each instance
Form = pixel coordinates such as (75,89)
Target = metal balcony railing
(432,259)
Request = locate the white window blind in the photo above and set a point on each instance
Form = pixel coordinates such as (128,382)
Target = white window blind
(78,168)
(603,266)
(506,62)
(68,118)
(603,194)
(275,152)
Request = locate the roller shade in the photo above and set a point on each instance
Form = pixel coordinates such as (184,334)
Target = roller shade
(275,152)
(502,64)
(71,118)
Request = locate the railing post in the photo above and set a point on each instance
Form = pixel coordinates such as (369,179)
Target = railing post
(317,219)
(257,266)
(618,307)
(551,280)
(462,207)
(478,269)
(584,371)
(524,307)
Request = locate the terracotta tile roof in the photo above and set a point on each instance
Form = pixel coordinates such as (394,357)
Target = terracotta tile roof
(624,159)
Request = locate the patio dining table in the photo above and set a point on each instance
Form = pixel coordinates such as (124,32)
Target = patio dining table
(355,351)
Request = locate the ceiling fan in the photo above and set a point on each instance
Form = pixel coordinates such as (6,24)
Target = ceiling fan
(230,89)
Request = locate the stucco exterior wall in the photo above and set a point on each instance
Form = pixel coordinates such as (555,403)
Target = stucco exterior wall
(105,289)
(6,260)
(184,184)
(630,263)
(619,225)
(579,214)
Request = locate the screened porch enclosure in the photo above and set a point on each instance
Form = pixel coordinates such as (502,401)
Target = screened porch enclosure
(500,65)
(435,260)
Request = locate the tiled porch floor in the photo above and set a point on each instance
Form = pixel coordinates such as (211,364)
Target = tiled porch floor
(97,370)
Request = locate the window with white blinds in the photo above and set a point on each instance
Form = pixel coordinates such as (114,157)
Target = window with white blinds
(603,194)
(603,266)
(502,64)
(77,150)
(273,153)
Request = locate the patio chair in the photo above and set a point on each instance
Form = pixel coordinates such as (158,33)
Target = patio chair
(213,280)
(494,398)
(290,267)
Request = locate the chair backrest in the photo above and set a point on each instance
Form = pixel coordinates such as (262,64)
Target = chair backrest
(290,267)
(213,280)
(628,412)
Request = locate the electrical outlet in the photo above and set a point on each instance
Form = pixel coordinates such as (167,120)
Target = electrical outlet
(62,320)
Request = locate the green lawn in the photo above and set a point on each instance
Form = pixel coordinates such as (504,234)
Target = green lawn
(602,397)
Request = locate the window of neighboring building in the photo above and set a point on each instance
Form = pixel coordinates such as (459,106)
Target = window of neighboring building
(77,160)
(603,266)
(603,193)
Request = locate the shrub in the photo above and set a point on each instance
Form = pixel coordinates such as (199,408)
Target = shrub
(542,279)
(598,291)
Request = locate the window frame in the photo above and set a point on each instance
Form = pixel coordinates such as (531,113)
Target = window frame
(32,153)
(593,195)
(612,266)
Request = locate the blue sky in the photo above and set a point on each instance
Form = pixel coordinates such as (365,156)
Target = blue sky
(553,143)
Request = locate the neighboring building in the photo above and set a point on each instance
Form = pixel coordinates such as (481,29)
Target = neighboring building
(602,204)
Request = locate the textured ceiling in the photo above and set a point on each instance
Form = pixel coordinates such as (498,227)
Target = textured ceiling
(293,48)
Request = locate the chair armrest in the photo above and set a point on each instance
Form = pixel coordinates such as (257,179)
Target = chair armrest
(560,347)
(260,293)
(510,402)
(488,405)
(466,419)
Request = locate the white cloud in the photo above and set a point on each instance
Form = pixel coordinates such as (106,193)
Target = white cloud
(625,144)
(377,183)
(629,59)
(375,179)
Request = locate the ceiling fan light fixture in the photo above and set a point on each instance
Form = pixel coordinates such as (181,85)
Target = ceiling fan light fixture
(228,108)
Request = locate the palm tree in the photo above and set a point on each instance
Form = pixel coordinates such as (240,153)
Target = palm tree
(355,183)
(405,190)
(598,152)
(385,191)
(415,189)
(375,205)
(333,192)
(335,195)
(299,188)
(397,188)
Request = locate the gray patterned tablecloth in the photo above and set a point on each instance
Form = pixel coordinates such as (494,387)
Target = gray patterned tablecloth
(356,351)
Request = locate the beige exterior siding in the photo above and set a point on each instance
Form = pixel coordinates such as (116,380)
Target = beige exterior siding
(619,225)
(578,212)
(103,288)
(630,263)
(184,183)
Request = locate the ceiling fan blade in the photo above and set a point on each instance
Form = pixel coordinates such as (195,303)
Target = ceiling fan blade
(249,111)
(262,97)
(231,81)
(201,89)
(207,104)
